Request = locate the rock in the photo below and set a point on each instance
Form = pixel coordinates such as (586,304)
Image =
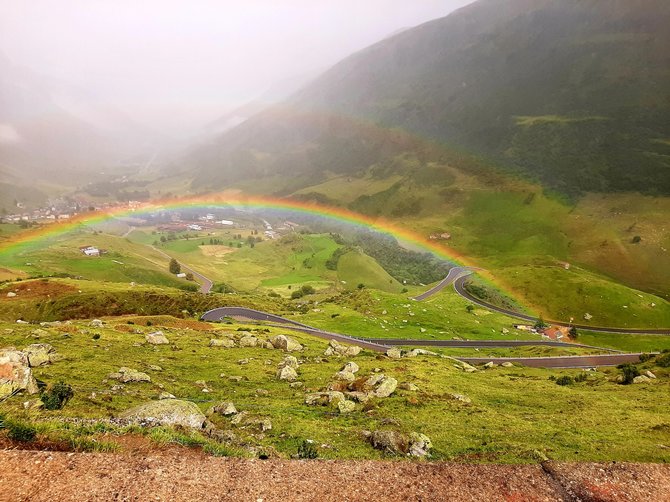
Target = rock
(96,323)
(15,373)
(386,387)
(420,352)
(267,345)
(227,343)
(641,379)
(285,343)
(225,408)
(166,412)
(397,443)
(33,404)
(235,378)
(239,418)
(462,365)
(374,380)
(324,398)
(289,361)
(649,374)
(154,367)
(126,375)
(361,397)
(346,406)
(394,353)
(287,373)
(201,383)
(461,397)
(248,341)
(165,395)
(243,361)
(504,331)
(337,349)
(11,294)
(157,338)
(262,392)
(38,354)
(351,367)
(21,321)
(345,376)
(489,365)
(506,364)
(408,386)
(39,332)
(265,424)
(296,385)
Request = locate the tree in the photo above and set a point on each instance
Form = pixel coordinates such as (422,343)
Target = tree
(308,289)
(540,324)
(470,308)
(573,332)
(175,267)
(189,276)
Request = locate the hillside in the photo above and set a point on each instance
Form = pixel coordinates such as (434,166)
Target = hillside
(574,94)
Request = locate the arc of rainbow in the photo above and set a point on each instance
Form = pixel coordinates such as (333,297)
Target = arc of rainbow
(329,212)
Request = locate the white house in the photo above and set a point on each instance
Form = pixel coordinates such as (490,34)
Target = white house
(91,251)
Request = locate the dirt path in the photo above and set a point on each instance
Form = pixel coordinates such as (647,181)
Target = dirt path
(184,474)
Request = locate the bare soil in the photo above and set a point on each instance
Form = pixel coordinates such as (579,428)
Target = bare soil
(186,474)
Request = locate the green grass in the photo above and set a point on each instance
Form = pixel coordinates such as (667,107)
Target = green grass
(514,411)
(356,268)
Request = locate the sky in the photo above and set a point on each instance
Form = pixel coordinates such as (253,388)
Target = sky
(196,58)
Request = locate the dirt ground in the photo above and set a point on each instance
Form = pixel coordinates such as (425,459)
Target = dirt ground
(185,475)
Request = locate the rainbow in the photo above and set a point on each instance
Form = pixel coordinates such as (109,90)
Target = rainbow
(337,214)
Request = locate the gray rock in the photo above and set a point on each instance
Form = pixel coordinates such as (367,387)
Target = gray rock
(154,367)
(641,379)
(285,343)
(225,408)
(419,444)
(324,398)
(408,386)
(649,374)
(386,387)
(243,361)
(361,397)
(11,294)
(15,373)
(351,367)
(96,323)
(157,338)
(489,365)
(337,349)
(38,354)
(227,343)
(394,353)
(506,364)
(289,361)
(346,406)
(248,341)
(461,397)
(420,352)
(125,375)
(287,373)
(345,376)
(296,385)
(166,412)
(165,395)
(397,443)
(33,404)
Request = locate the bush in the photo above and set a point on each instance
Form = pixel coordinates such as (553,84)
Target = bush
(663,360)
(96,336)
(582,377)
(308,289)
(57,396)
(629,373)
(470,308)
(174,267)
(564,380)
(297,294)
(19,431)
(307,450)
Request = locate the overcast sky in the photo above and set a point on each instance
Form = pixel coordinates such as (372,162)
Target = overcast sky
(204,55)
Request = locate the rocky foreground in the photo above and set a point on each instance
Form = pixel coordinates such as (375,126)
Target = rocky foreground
(182,474)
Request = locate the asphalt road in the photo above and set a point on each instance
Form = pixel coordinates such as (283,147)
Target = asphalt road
(242,313)
(453,274)
(463,344)
(459,286)
(205,283)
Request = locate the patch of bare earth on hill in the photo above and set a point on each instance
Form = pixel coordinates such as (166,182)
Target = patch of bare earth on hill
(37,289)
(184,474)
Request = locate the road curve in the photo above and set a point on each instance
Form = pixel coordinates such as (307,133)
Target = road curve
(454,273)
(205,283)
(459,286)
(242,313)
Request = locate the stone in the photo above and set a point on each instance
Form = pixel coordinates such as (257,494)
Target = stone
(15,373)
(225,408)
(235,378)
(157,338)
(154,367)
(468,368)
(324,398)
(386,387)
(11,294)
(263,392)
(125,375)
(397,443)
(38,354)
(337,349)
(346,406)
(649,374)
(227,343)
(39,332)
(408,386)
(243,361)
(285,343)
(239,418)
(267,345)
(351,367)
(506,364)
(296,385)
(289,361)
(394,353)
(641,379)
(489,365)
(265,424)
(420,352)
(166,412)
(287,373)
(165,395)
(419,444)
(374,380)
(96,323)
(345,376)
(461,397)
(248,341)
(361,397)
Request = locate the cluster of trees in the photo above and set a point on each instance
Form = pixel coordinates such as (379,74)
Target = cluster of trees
(306,289)
(331,263)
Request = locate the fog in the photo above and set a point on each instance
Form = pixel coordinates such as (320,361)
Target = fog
(177,64)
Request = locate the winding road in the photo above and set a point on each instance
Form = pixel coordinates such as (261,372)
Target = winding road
(453,275)
(205,283)
(586,361)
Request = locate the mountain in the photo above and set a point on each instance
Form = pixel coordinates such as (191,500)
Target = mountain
(54,132)
(573,94)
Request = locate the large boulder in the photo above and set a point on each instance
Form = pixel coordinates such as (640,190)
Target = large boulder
(224,408)
(351,367)
(39,354)
(248,341)
(337,349)
(157,338)
(126,375)
(290,361)
(394,353)
(285,343)
(166,412)
(287,373)
(15,373)
(397,443)
(386,387)
(346,406)
(227,343)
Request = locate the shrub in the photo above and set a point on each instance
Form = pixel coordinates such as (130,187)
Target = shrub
(629,373)
(645,357)
(308,289)
(57,396)
(297,294)
(273,294)
(663,360)
(470,308)
(361,286)
(582,377)
(307,450)
(174,267)
(96,336)
(564,380)
(19,431)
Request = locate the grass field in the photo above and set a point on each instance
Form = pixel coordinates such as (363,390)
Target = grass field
(356,268)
